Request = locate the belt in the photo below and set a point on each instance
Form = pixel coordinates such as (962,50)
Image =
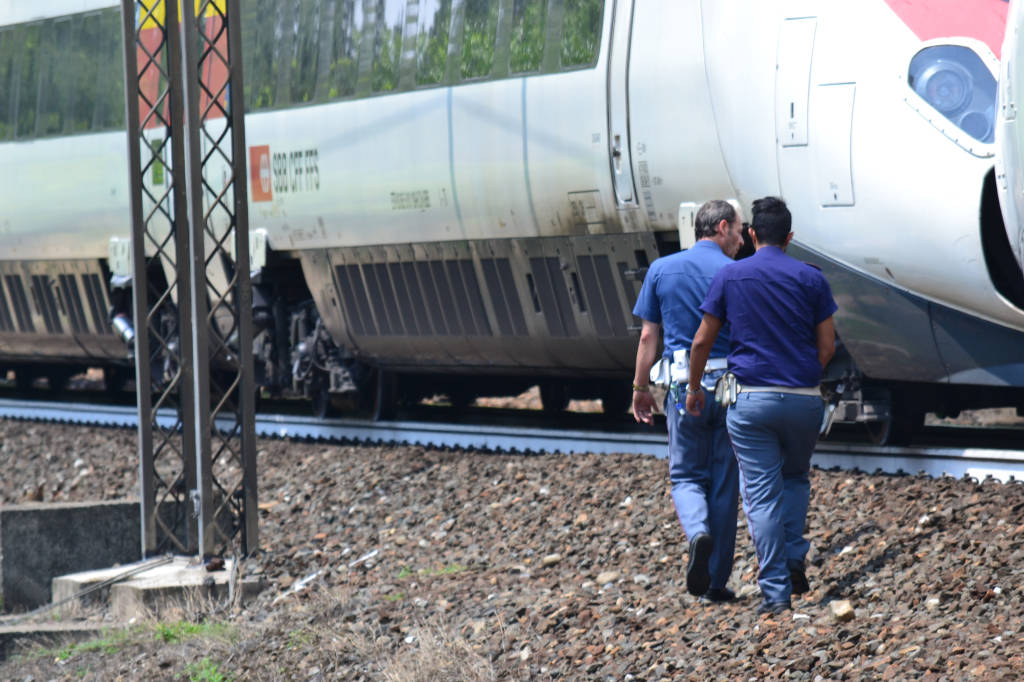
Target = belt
(795,390)
(682,357)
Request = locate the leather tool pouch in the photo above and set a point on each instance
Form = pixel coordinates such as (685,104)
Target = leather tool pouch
(726,389)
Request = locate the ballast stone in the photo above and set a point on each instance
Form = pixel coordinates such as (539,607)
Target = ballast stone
(842,610)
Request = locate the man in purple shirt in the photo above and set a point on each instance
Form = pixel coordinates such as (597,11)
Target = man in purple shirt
(779,311)
(702,468)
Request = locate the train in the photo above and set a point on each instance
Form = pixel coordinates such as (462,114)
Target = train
(462,197)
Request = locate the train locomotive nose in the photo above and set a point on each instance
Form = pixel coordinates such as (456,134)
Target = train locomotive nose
(1010,130)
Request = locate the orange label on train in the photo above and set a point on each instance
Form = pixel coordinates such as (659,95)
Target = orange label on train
(261,187)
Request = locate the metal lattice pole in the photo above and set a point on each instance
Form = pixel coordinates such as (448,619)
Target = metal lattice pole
(163,364)
(220,251)
(194,353)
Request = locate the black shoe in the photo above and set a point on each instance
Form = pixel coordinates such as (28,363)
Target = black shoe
(773,607)
(718,595)
(698,577)
(798,578)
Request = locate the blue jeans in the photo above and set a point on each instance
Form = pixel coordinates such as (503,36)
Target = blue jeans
(705,484)
(774,435)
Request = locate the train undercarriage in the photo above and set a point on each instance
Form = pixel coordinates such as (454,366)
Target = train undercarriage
(369,330)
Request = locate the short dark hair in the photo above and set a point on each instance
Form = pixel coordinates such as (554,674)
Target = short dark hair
(771,221)
(709,215)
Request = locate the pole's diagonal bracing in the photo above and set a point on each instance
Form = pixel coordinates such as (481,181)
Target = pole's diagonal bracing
(160,278)
(192,297)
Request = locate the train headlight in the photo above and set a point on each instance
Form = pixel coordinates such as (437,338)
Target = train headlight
(955,81)
(945,85)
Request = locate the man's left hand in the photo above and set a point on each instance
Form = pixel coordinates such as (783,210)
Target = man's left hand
(643,407)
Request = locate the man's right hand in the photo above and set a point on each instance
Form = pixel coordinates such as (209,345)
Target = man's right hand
(695,402)
(643,407)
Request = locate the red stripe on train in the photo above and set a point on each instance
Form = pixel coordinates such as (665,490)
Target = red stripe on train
(984,20)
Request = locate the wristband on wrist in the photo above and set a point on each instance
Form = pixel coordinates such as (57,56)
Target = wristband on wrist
(692,391)
(641,389)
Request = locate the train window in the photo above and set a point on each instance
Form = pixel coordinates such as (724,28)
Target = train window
(286,19)
(268,40)
(8,69)
(432,40)
(527,44)
(387,53)
(305,50)
(480,26)
(258,61)
(62,76)
(108,53)
(322,50)
(26,86)
(344,69)
(324,45)
(52,91)
(82,73)
(581,32)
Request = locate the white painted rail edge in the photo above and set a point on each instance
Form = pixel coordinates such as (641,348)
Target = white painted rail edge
(978,463)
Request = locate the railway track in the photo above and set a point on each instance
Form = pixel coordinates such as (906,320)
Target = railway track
(1000,463)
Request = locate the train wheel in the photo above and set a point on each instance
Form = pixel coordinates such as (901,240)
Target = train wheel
(554,396)
(904,423)
(321,398)
(878,431)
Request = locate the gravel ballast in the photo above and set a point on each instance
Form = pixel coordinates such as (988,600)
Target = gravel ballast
(410,563)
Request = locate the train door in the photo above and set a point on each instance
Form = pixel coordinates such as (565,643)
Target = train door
(814,147)
(618,105)
(792,100)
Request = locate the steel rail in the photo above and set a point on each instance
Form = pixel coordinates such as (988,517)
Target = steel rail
(977,463)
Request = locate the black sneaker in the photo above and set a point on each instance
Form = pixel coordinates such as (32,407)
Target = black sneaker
(773,608)
(698,577)
(718,595)
(798,578)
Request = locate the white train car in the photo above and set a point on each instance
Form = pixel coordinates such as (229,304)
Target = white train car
(469,191)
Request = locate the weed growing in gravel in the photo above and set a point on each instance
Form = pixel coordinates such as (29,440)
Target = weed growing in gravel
(108,644)
(450,569)
(115,640)
(170,633)
(204,671)
(397,596)
(300,638)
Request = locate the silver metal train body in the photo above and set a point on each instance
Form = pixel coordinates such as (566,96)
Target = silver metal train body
(469,191)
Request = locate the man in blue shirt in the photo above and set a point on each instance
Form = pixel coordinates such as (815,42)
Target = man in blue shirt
(702,468)
(779,311)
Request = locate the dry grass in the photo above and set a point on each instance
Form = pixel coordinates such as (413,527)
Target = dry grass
(435,653)
(314,633)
